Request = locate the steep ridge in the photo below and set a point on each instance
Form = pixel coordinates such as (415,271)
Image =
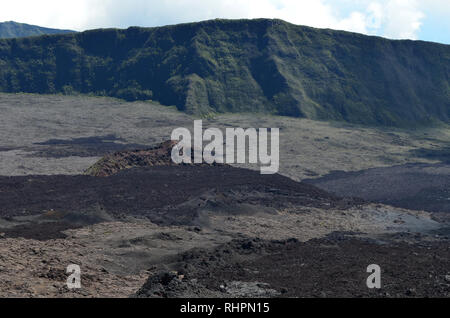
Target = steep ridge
(111,164)
(242,66)
(11,29)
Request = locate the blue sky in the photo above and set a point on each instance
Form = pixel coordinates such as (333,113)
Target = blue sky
(398,19)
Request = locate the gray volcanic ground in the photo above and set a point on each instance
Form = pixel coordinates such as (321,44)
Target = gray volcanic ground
(368,196)
(42,134)
(411,186)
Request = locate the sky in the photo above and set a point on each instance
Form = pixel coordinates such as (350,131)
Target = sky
(427,20)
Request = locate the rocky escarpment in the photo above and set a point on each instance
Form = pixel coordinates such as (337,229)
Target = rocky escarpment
(159,155)
(239,66)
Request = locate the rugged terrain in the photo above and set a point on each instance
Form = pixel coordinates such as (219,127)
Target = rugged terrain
(11,29)
(327,267)
(86,180)
(219,66)
(111,164)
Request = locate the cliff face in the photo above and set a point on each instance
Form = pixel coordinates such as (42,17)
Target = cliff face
(242,66)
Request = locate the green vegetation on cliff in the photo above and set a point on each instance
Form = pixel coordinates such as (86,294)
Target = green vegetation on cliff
(13,29)
(241,66)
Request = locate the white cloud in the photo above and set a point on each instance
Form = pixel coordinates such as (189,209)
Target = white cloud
(374,15)
(391,18)
(403,19)
(53,13)
(356,22)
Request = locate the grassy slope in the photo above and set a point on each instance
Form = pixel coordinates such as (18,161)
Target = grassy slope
(242,66)
(13,29)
